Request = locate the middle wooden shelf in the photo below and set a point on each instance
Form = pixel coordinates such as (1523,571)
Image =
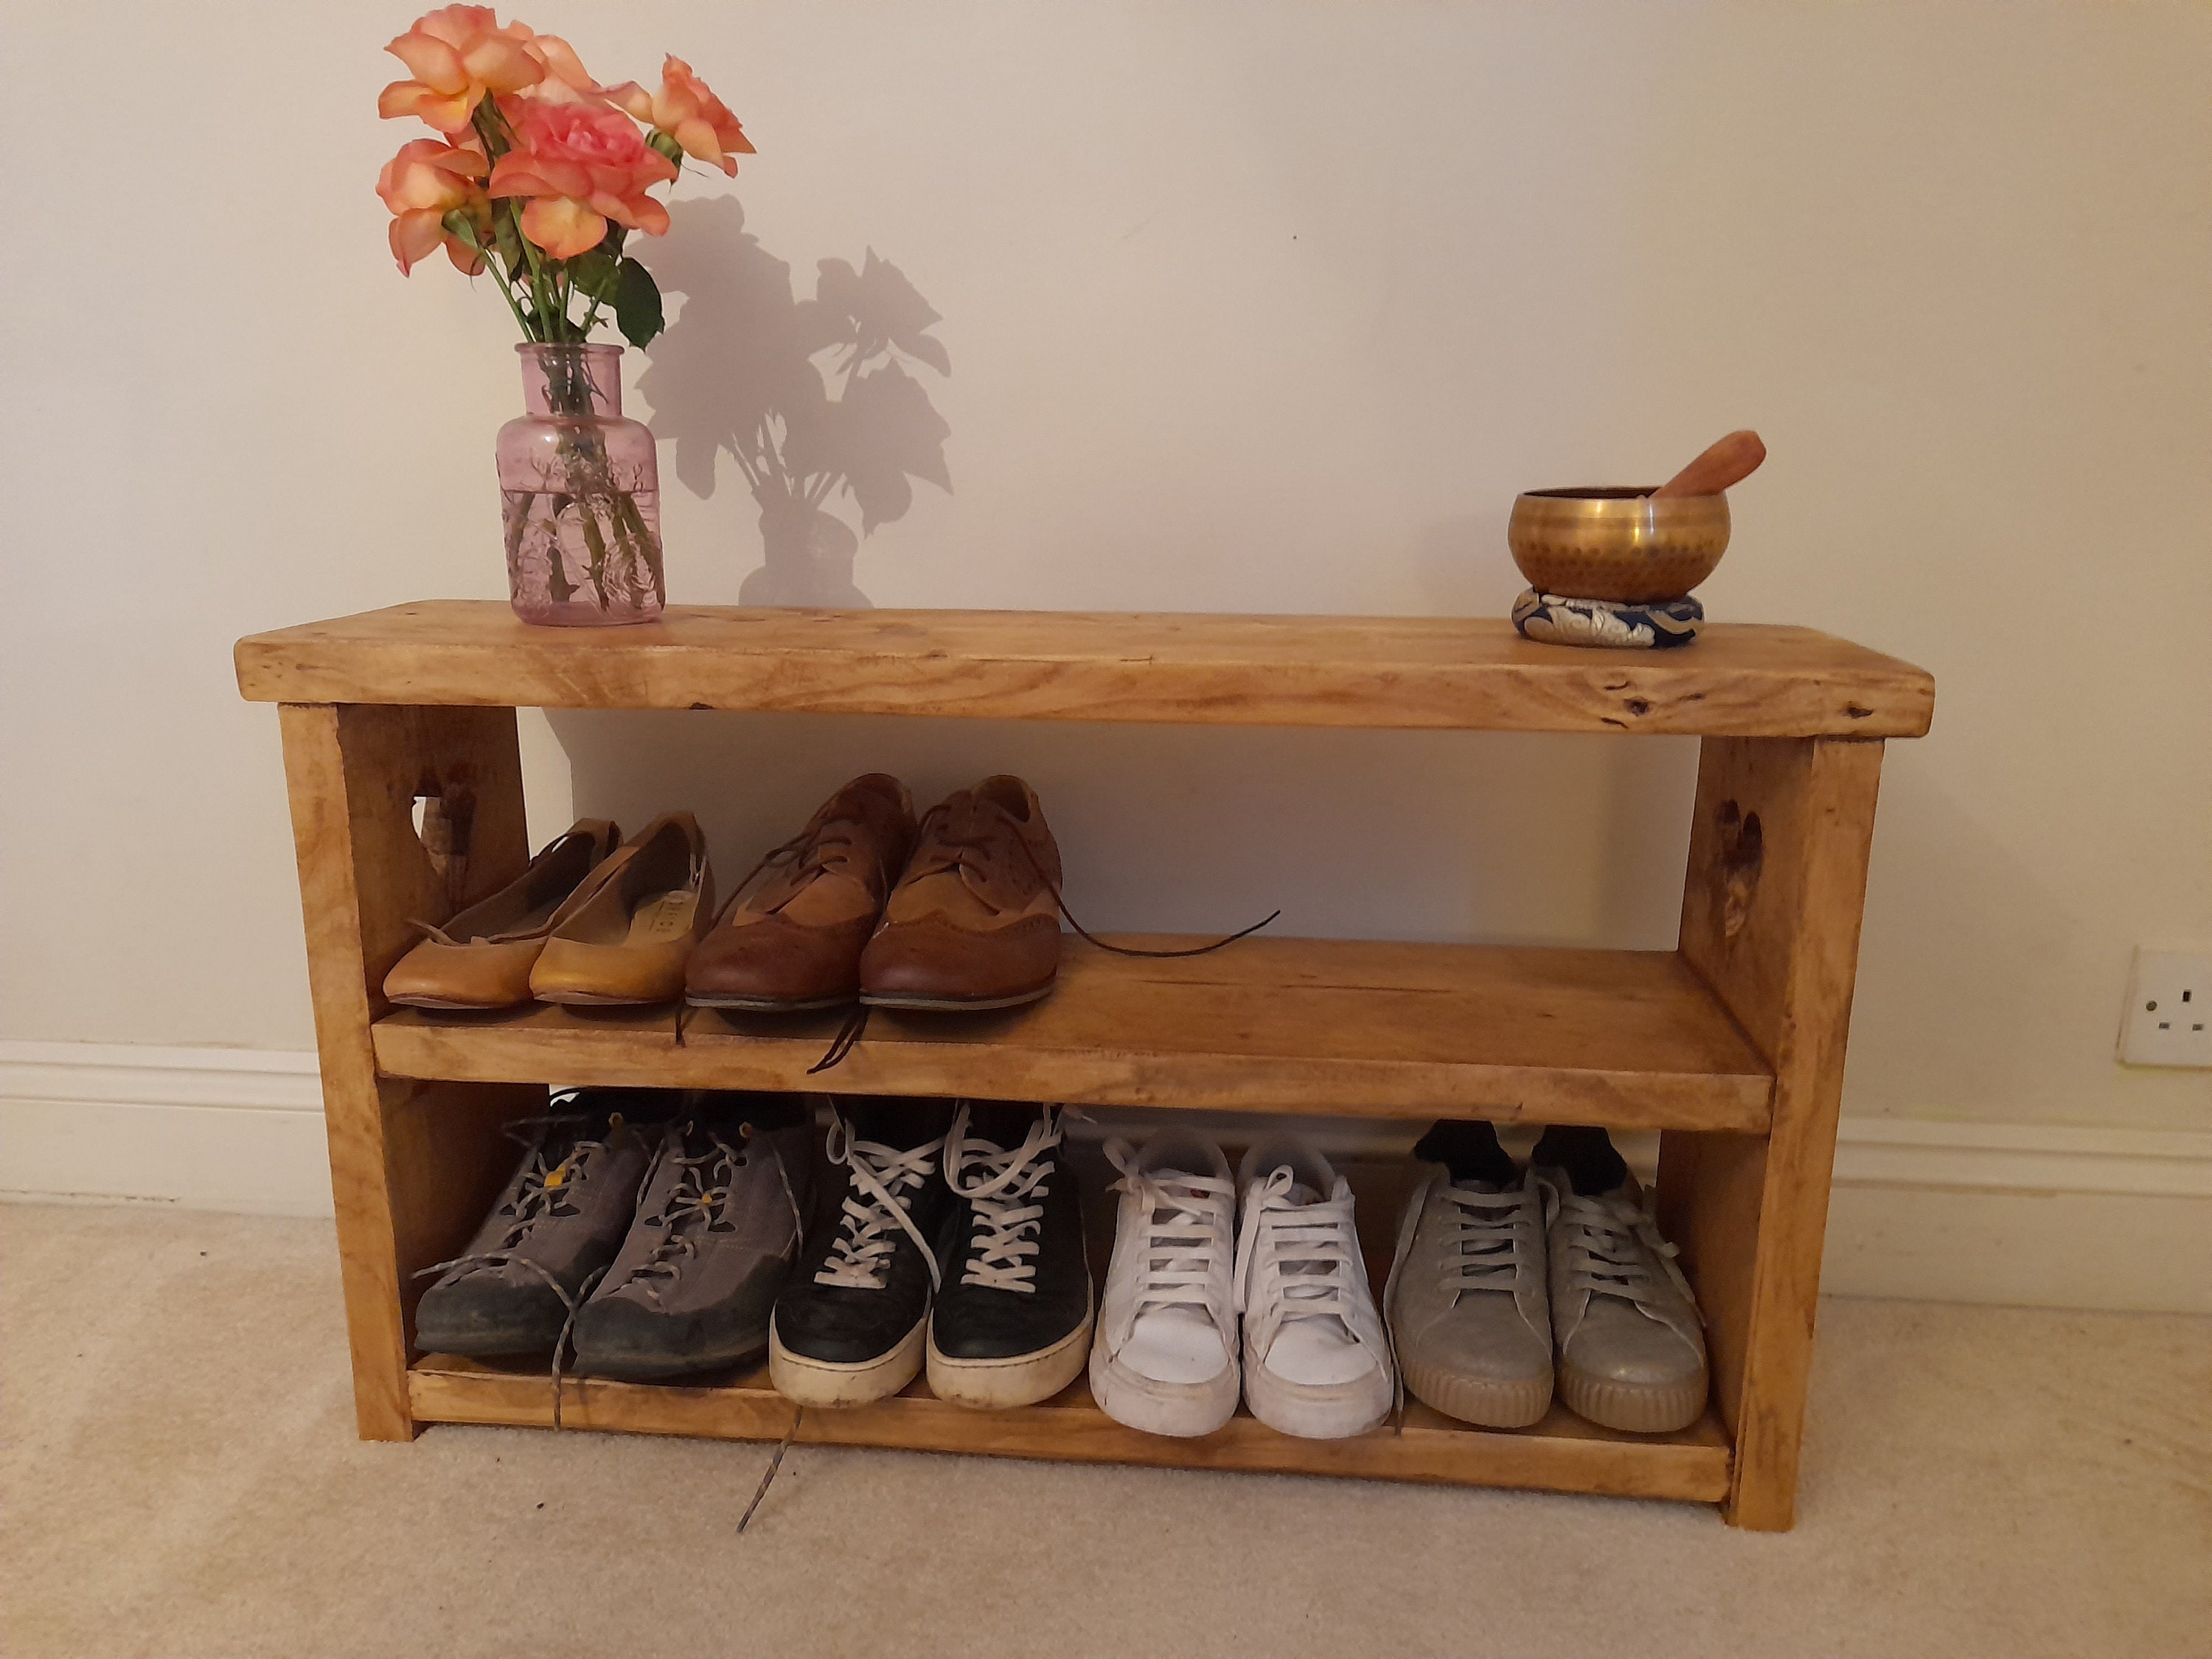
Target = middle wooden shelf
(1630,1039)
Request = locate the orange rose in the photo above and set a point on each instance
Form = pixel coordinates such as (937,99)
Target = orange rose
(458,55)
(566,80)
(688,111)
(581,164)
(427,180)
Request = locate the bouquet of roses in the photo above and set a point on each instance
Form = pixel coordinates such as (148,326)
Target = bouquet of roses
(534,162)
(538,175)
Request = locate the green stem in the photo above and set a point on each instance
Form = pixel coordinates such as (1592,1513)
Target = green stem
(492,128)
(517,504)
(540,299)
(591,312)
(626,511)
(597,546)
(559,585)
(467,232)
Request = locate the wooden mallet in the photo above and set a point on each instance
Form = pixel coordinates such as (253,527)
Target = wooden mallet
(1729,462)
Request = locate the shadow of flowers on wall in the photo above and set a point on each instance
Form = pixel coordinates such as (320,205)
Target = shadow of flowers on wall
(811,398)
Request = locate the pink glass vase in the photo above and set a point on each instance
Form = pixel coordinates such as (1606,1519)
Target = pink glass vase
(580,493)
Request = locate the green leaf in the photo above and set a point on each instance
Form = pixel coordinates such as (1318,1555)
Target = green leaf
(507,239)
(594,274)
(637,303)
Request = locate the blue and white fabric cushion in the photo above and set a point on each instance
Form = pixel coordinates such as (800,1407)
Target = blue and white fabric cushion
(1554,619)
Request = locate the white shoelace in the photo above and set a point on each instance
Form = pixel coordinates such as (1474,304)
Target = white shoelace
(1313,1249)
(1486,1240)
(701,1203)
(1187,1246)
(1610,1244)
(885,1181)
(1002,1254)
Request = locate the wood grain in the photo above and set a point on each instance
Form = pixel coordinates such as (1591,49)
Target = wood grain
(1771,919)
(1560,1454)
(409,1164)
(1739,679)
(1629,1038)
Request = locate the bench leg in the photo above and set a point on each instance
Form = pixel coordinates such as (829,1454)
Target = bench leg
(412,1164)
(1770,914)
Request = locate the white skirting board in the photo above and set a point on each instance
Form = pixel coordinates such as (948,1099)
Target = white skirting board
(2039,1215)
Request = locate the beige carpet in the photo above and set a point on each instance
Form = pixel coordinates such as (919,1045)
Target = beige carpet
(181,1478)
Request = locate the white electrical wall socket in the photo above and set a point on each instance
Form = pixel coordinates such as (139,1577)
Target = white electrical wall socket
(2168,1020)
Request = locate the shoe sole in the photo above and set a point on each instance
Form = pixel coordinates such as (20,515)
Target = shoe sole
(444,1005)
(1634,1408)
(593,999)
(986,1385)
(1180,1411)
(767,1005)
(806,1382)
(1487,1404)
(640,1369)
(950,1005)
(510,1346)
(1335,1411)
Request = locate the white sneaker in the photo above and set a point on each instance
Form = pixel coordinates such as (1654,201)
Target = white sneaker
(1316,1362)
(1165,1357)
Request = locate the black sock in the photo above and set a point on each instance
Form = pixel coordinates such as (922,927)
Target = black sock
(1586,1155)
(766,1113)
(1003,1123)
(896,1122)
(1469,1149)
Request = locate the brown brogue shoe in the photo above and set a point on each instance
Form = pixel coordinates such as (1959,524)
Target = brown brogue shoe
(794,940)
(974,921)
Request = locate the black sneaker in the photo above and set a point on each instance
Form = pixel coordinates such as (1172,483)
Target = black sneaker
(1013,1321)
(557,1225)
(719,1223)
(850,1326)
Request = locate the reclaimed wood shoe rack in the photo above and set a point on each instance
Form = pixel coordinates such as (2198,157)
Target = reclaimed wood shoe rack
(1731,1047)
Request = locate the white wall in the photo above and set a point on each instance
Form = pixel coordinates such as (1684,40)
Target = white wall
(1250,307)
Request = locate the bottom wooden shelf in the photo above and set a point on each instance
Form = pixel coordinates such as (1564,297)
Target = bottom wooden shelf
(1561,1454)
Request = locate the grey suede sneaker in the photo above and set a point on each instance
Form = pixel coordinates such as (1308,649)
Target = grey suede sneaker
(718,1226)
(1467,1301)
(559,1222)
(1631,1344)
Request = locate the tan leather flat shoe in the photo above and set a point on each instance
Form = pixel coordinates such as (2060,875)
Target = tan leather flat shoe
(974,922)
(794,941)
(481,957)
(629,937)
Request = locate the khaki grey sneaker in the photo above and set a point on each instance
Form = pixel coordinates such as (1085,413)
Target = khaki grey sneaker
(1467,1301)
(557,1225)
(1631,1343)
(717,1229)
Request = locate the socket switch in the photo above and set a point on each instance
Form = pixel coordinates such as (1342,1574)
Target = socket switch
(2168,1020)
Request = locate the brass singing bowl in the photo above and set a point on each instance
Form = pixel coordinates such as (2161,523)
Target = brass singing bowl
(1618,544)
